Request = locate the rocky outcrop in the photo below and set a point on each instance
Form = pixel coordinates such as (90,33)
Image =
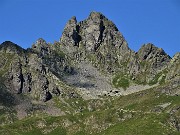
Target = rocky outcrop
(174,67)
(155,56)
(41,47)
(30,71)
(27,84)
(152,63)
(175,118)
(98,40)
(17,77)
(70,36)
(97,31)
(40,84)
(10,47)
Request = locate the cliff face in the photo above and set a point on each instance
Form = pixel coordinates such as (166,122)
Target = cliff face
(95,42)
(96,39)
(32,71)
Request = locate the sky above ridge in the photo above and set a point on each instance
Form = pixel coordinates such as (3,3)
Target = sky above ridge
(140,21)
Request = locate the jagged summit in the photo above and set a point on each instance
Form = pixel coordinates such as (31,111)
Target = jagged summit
(94,31)
(177,55)
(11,47)
(98,39)
(150,51)
(73,20)
(41,46)
(7,43)
(40,41)
(96,14)
(96,17)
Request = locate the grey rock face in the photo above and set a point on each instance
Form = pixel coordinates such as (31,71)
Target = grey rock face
(98,40)
(43,86)
(156,56)
(152,61)
(27,85)
(98,31)
(134,66)
(41,47)
(174,67)
(70,36)
(17,77)
(92,32)
(28,71)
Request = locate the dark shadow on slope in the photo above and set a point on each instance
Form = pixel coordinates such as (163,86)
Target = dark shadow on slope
(6,98)
(84,85)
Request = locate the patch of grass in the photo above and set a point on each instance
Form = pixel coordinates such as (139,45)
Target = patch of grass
(120,81)
(161,75)
(131,106)
(31,132)
(162,81)
(151,124)
(60,53)
(28,126)
(58,131)
(155,79)
(140,79)
(8,58)
(143,63)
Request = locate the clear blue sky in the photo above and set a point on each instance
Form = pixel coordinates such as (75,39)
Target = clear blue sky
(140,21)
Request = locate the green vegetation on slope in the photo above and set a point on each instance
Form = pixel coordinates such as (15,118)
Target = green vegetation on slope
(142,113)
(120,81)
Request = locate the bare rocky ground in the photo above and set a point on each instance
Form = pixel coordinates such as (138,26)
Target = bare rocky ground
(91,83)
(25,108)
(135,88)
(89,80)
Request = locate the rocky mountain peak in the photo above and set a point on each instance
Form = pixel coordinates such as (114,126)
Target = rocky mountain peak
(176,57)
(93,32)
(153,57)
(70,36)
(41,47)
(10,47)
(149,51)
(96,17)
(98,38)
(40,41)
(95,14)
(71,23)
(73,20)
(8,43)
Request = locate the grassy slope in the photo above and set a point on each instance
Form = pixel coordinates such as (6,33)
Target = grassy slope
(139,113)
